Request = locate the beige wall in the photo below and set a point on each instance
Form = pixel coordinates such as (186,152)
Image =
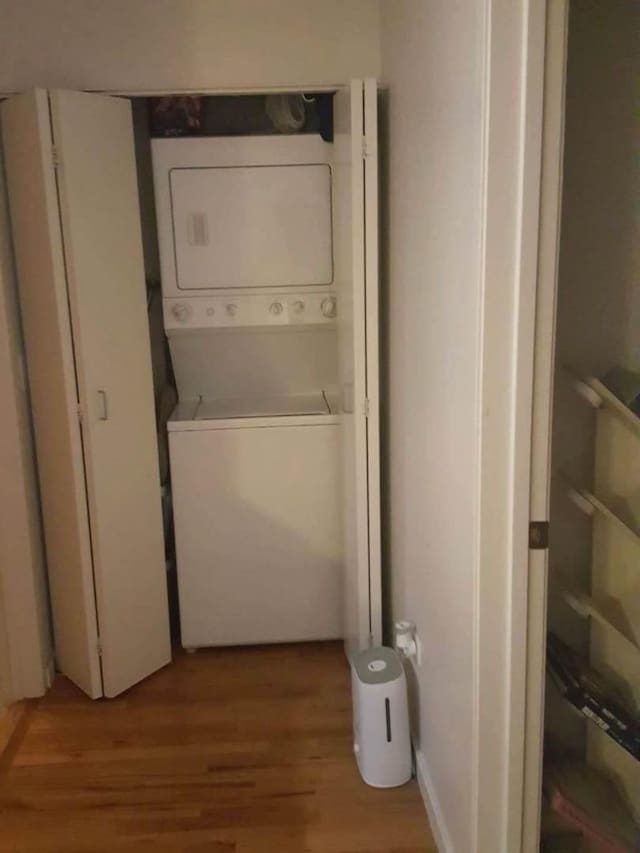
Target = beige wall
(156,44)
(22,572)
(432,57)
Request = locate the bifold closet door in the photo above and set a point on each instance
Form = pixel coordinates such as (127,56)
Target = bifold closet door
(37,242)
(97,201)
(355,175)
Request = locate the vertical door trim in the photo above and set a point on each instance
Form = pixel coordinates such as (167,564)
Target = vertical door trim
(509,210)
(548,251)
(371,277)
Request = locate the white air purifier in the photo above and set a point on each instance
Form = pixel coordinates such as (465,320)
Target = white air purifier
(382,744)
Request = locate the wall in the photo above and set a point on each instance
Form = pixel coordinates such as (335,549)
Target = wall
(463,125)
(156,44)
(431,192)
(22,571)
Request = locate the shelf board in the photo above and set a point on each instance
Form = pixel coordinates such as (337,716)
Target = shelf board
(589,503)
(599,396)
(600,612)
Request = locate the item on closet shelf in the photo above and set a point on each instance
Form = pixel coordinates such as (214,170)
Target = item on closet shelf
(564,843)
(287,112)
(590,694)
(589,801)
(175,115)
(625,384)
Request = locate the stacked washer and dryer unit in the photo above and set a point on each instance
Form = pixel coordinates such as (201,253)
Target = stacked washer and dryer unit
(250,311)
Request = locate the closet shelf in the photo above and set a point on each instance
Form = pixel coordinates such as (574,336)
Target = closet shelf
(599,396)
(588,503)
(601,612)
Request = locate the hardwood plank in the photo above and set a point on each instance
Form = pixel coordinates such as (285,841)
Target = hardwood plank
(13,727)
(242,750)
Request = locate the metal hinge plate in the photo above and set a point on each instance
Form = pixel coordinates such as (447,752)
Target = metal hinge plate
(538,535)
(55,157)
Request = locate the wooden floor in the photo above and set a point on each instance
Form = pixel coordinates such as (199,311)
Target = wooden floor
(226,751)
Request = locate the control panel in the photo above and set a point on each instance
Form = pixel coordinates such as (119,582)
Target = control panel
(249,310)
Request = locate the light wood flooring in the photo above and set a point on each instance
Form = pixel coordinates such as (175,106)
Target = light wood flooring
(225,751)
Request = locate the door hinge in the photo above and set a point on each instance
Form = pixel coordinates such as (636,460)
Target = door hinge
(538,535)
(79,412)
(99,647)
(367,407)
(365,148)
(55,157)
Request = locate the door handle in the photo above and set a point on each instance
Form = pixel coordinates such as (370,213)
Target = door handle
(104,416)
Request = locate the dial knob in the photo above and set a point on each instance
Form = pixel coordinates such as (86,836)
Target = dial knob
(181,312)
(276,308)
(328,307)
(298,306)
(232,309)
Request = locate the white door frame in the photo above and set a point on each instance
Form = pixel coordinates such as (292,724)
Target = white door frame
(515,45)
(548,251)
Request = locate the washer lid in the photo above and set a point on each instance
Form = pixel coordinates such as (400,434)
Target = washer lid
(262,407)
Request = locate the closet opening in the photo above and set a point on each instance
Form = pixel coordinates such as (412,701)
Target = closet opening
(236,196)
(591,771)
(251,361)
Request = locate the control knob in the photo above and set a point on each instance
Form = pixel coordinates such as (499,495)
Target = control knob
(298,306)
(232,309)
(276,308)
(328,307)
(181,312)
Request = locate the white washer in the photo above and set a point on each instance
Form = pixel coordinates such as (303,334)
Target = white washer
(257,520)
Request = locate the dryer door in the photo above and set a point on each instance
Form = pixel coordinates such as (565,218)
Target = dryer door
(243,213)
(252,226)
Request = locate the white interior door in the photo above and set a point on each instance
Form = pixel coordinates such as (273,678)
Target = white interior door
(98,194)
(37,240)
(355,170)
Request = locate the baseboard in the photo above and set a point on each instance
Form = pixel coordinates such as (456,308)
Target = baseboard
(436,818)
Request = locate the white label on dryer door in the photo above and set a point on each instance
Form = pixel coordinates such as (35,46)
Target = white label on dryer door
(252,226)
